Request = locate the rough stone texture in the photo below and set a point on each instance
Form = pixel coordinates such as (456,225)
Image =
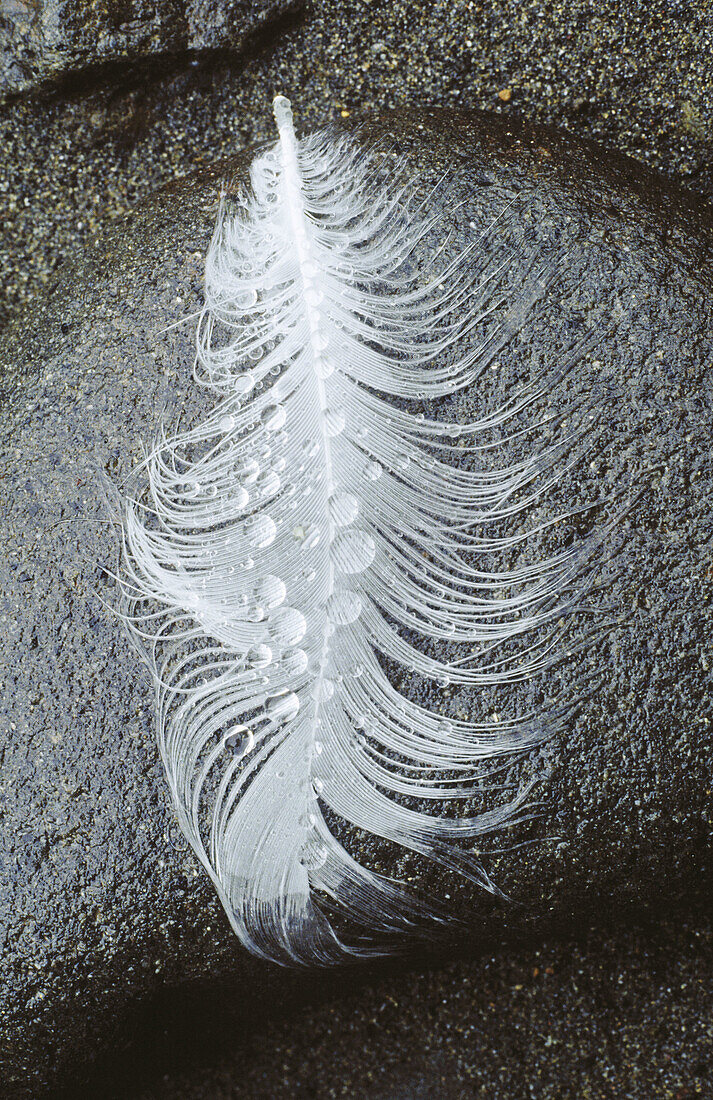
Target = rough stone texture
(572,1021)
(45,41)
(103,903)
(636,76)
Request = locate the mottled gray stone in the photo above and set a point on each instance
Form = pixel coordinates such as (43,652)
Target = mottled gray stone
(102,902)
(43,41)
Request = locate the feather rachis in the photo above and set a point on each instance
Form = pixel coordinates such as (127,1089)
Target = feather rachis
(280,550)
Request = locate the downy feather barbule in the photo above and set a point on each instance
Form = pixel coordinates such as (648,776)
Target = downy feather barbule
(317,530)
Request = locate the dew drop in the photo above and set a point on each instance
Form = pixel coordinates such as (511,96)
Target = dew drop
(287,626)
(239,741)
(250,471)
(344,607)
(313,297)
(254,613)
(324,368)
(244,383)
(262,531)
(334,422)
(294,662)
(259,656)
(317,785)
(269,484)
(270,591)
(353,551)
(306,788)
(241,496)
(317,749)
(366,723)
(273,417)
(402,462)
(246,300)
(344,508)
(373,471)
(325,689)
(313,856)
(227,423)
(284,707)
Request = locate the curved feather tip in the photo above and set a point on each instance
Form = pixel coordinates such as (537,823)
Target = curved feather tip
(316,527)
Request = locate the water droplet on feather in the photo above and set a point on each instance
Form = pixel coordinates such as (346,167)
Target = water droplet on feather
(262,531)
(269,484)
(324,368)
(287,626)
(293,662)
(239,741)
(249,471)
(273,417)
(344,508)
(270,591)
(334,422)
(353,551)
(284,707)
(344,607)
(313,855)
(244,383)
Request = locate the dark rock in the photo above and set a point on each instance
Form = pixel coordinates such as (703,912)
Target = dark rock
(629,1015)
(73,161)
(103,902)
(43,41)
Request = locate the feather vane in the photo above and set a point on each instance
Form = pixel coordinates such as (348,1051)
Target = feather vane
(313,529)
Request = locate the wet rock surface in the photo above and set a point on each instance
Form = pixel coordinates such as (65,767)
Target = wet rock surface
(637,78)
(46,41)
(563,1019)
(103,905)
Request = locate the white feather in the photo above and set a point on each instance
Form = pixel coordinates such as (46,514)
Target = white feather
(314,525)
